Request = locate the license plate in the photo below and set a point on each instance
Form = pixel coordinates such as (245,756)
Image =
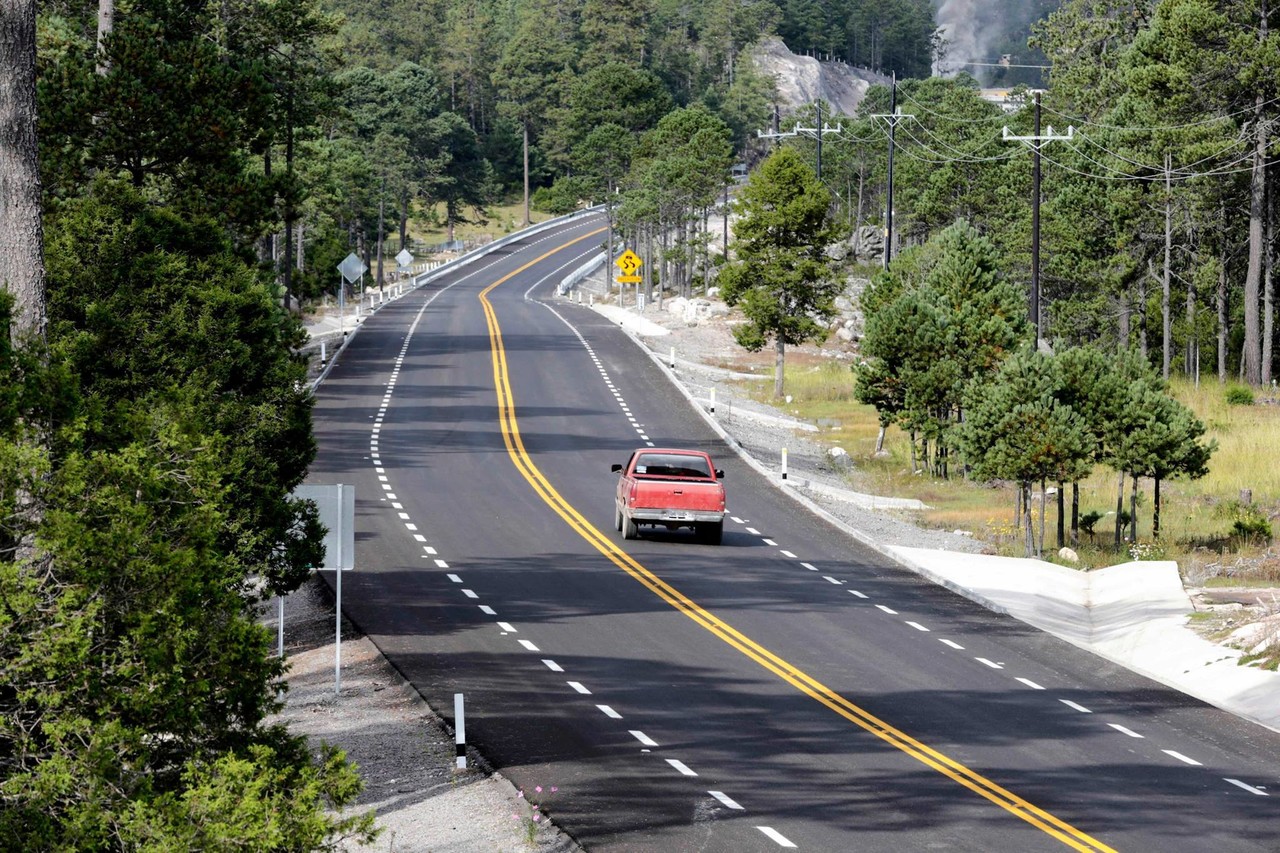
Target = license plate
(678,516)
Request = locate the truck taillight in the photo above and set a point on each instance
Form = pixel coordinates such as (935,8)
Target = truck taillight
(631,494)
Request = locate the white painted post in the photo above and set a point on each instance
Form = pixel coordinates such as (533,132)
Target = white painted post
(592,299)
(784,463)
(337,622)
(323,357)
(713,401)
(459,732)
(280,625)
(673,358)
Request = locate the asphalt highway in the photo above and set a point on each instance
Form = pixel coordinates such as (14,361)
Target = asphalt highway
(786,689)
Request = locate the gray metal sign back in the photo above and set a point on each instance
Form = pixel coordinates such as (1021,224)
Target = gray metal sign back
(337,506)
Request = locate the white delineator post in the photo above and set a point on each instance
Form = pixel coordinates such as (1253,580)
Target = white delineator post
(459,732)
(784,463)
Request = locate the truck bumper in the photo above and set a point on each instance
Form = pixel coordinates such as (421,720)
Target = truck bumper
(674,516)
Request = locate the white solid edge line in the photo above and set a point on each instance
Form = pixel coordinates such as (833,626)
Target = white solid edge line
(774,835)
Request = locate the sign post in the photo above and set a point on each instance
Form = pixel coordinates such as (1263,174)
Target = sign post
(352,269)
(337,510)
(629,264)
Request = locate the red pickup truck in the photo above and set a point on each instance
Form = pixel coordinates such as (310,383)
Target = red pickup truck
(671,488)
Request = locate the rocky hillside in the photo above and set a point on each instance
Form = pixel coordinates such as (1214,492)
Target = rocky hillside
(801,80)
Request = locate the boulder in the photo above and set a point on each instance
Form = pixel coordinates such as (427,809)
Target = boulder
(1069,555)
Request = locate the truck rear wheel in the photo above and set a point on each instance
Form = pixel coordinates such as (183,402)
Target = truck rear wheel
(629,529)
(617,518)
(712,533)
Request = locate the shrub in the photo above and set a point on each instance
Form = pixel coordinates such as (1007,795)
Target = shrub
(1089,519)
(1239,395)
(1250,523)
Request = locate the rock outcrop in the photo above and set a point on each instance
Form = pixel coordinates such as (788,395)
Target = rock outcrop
(801,80)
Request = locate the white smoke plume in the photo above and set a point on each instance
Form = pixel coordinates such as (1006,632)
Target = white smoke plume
(969,29)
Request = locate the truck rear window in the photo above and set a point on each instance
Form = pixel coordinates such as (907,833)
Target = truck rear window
(671,465)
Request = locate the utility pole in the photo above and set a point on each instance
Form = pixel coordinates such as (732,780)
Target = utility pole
(1037,140)
(816,132)
(893,117)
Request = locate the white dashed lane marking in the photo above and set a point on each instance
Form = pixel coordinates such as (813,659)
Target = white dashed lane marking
(469,593)
(681,767)
(888,610)
(552,665)
(1124,731)
(774,835)
(508,627)
(990,663)
(729,802)
(643,738)
(918,626)
(1030,683)
(1082,709)
(859,594)
(487,610)
(577,685)
(1249,788)
(952,644)
(609,712)
(1184,759)
(528,645)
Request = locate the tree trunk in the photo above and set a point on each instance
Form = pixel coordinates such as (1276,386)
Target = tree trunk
(106,22)
(21,227)
(1193,353)
(1125,313)
(879,441)
(1133,511)
(779,358)
(1075,515)
(1166,314)
(381,224)
(1221,299)
(1268,289)
(525,126)
(1119,508)
(1026,520)
(1155,509)
(1251,362)
(1044,499)
(1062,515)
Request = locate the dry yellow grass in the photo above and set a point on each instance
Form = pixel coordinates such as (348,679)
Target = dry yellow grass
(1194,514)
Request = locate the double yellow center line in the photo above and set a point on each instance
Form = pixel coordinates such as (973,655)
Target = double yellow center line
(808,685)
